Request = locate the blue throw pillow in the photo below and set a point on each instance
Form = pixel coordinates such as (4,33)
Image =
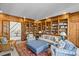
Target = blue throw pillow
(69,46)
(4,40)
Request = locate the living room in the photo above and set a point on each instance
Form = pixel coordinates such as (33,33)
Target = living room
(39,29)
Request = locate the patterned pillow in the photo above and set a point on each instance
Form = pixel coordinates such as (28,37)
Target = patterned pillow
(4,40)
(69,46)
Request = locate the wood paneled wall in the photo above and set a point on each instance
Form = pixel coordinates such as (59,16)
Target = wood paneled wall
(73,25)
(6,17)
(0,28)
(74,28)
(72,19)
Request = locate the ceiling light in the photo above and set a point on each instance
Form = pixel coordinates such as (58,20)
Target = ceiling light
(64,12)
(24,18)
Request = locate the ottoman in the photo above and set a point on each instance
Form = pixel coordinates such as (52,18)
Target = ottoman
(37,46)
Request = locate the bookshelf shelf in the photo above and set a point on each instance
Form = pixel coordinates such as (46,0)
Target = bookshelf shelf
(54,26)
(48,27)
(63,25)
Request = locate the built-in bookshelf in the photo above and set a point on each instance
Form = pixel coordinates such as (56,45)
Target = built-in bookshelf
(35,28)
(66,22)
(29,25)
(48,26)
(63,25)
(39,26)
(6,29)
(43,26)
(54,26)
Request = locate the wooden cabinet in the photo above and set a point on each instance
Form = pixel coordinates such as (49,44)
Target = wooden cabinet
(74,28)
(77,26)
(74,33)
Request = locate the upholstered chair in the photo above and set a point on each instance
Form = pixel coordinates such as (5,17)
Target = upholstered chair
(68,50)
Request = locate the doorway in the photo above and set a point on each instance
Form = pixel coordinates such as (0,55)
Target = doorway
(15,31)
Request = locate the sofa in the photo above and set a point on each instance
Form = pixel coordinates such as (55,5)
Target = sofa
(68,50)
(50,39)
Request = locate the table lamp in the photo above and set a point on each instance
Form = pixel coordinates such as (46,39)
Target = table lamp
(63,34)
(40,32)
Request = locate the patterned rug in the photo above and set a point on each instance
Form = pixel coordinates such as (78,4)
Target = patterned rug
(24,51)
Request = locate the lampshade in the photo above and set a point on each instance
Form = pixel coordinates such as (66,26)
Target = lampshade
(63,34)
(40,31)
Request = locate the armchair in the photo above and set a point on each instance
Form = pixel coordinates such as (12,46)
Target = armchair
(4,44)
(68,50)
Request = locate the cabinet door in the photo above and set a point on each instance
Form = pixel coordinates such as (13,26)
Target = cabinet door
(77,34)
(72,32)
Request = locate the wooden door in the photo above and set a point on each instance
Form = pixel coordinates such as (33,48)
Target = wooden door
(77,34)
(72,32)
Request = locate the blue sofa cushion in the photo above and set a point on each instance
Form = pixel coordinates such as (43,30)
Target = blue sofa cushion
(65,52)
(37,46)
(69,46)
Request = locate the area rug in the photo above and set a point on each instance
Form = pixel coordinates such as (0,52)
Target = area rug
(24,51)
